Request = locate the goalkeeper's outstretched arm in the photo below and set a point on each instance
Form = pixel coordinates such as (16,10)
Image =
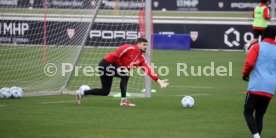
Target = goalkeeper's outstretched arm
(145,67)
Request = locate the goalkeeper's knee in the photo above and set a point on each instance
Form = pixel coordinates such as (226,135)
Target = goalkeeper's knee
(105,92)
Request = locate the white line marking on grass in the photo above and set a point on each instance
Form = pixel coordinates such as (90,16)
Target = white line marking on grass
(195,87)
(57,102)
(198,94)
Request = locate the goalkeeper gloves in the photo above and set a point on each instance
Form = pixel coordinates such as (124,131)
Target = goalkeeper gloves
(163,83)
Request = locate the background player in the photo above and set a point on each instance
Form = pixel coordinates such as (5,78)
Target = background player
(261,61)
(117,64)
(261,16)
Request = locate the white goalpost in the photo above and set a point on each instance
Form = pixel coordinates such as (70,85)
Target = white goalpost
(148,26)
(48,46)
(75,62)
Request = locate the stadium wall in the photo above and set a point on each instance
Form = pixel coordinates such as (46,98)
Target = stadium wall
(204,34)
(204,5)
(168,5)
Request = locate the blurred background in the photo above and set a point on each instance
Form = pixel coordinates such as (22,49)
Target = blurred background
(211,24)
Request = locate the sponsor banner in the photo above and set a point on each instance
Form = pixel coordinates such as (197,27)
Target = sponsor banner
(204,5)
(163,5)
(67,33)
(211,36)
(74,4)
(90,4)
(8,3)
(14,3)
(122,4)
(21,3)
(203,36)
(104,34)
(71,4)
(31,32)
(172,42)
(18,32)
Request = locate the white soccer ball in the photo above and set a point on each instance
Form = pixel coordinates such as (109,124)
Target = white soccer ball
(6,93)
(1,95)
(17,92)
(187,101)
(84,88)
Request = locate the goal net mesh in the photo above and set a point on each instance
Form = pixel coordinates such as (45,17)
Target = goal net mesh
(42,40)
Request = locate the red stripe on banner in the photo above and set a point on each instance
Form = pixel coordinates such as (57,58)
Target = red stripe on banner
(142,25)
(45,33)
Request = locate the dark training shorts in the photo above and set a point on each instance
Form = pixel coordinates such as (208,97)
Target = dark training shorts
(257,33)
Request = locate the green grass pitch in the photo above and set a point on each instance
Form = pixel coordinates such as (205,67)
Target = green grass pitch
(218,110)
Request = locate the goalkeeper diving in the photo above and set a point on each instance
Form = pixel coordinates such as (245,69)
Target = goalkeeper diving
(118,64)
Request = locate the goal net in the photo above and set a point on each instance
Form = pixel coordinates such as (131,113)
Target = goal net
(56,45)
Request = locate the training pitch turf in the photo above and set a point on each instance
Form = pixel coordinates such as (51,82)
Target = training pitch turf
(218,110)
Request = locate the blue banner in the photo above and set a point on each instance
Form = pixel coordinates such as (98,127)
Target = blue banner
(172,42)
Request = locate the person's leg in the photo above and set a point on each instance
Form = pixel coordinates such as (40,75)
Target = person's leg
(106,87)
(249,107)
(123,86)
(124,76)
(260,111)
(106,72)
(257,34)
(106,80)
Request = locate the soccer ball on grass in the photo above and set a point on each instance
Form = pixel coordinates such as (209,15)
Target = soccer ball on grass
(84,88)
(6,92)
(187,102)
(17,92)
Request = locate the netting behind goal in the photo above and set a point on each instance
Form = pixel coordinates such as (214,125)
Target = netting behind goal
(42,41)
